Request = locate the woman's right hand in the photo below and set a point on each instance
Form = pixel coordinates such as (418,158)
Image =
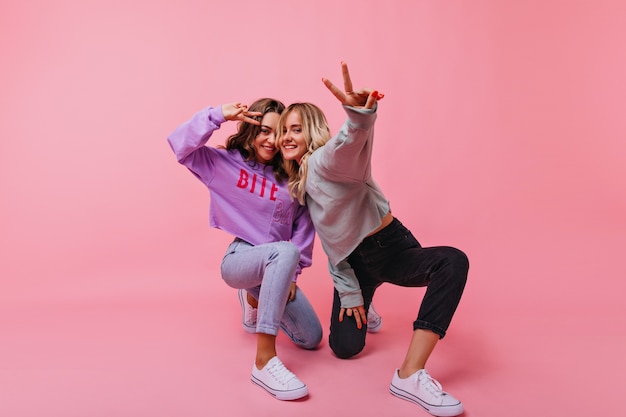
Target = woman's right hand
(358,312)
(238,111)
(363,98)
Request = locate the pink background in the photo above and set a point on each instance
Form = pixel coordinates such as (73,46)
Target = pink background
(502,133)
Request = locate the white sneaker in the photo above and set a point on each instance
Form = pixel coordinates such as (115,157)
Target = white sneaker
(279,381)
(421,389)
(374,321)
(248,313)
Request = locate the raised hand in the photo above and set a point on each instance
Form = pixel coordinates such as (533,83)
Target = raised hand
(238,111)
(363,98)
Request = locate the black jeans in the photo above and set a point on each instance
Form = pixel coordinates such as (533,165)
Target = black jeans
(393,255)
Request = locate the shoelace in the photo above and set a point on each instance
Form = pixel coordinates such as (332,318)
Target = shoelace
(431,384)
(280,373)
(251,314)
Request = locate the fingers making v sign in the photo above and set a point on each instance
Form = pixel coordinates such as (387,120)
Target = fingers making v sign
(238,111)
(364,98)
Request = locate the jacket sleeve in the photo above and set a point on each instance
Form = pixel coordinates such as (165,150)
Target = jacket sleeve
(303,237)
(347,155)
(189,139)
(346,284)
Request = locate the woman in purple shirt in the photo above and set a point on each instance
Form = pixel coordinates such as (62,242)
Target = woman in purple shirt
(274,234)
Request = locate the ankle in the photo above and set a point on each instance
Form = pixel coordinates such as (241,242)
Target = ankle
(262,360)
(252,301)
(406,371)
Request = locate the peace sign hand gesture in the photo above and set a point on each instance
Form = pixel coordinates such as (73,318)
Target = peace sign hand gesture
(363,98)
(238,111)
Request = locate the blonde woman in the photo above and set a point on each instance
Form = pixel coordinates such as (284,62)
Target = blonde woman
(357,230)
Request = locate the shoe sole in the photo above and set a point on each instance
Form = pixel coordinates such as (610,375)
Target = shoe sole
(282,395)
(449,411)
(247,328)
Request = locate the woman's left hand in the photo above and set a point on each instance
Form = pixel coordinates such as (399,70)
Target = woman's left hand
(364,98)
(292,292)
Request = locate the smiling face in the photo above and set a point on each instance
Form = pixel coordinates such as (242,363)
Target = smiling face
(265,142)
(292,144)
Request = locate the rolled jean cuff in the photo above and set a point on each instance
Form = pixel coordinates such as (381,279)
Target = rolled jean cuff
(420,324)
(267,330)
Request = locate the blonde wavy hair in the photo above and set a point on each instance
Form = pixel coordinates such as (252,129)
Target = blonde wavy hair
(316,133)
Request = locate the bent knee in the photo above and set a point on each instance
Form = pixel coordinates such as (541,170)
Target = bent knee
(458,259)
(310,344)
(286,249)
(345,351)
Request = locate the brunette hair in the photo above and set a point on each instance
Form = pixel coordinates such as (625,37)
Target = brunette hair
(247,132)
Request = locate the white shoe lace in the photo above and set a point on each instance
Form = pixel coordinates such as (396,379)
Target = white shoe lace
(251,314)
(281,374)
(430,384)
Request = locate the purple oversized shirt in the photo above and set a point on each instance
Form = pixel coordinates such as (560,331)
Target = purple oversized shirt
(246,200)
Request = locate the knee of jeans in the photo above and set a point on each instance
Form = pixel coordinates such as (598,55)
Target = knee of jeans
(287,249)
(458,260)
(310,344)
(343,351)
(309,339)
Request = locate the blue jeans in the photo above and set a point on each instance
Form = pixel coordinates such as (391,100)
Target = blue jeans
(393,255)
(266,271)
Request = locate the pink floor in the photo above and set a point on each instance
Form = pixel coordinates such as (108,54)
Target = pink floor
(166,341)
